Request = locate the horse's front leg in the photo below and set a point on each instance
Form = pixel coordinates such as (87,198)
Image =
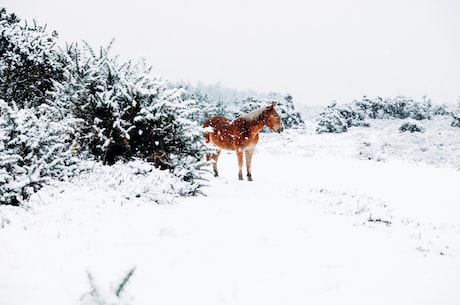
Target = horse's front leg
(239,154)
(249,154)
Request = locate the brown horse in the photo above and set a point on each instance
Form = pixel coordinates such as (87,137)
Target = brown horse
(241,135)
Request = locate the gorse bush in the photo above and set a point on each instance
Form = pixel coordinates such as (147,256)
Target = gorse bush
(412,127)
(58,106)
(456,119)
(399,107)
(29,62)
(456,116)
(128,113)
(338,118)
(33,149)
(35,138)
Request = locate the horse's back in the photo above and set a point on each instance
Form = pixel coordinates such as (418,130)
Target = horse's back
(217,122)
(221,134)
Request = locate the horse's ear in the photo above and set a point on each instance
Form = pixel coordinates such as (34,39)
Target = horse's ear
(272,106)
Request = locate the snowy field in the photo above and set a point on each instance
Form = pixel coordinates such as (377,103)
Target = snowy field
(371,216)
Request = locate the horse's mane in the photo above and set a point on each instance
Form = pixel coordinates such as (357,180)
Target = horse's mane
(254,115)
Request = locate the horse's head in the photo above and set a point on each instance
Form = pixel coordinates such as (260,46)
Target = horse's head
(272,119)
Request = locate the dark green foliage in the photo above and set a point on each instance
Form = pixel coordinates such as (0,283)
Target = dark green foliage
(338,118)
(332,121)
(60,104)
(35,136)
(33,149)
(412,127)
(456,120)
(29,62)
(456,116)
(128,113)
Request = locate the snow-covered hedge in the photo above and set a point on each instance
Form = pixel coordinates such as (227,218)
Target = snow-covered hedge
(29,61)
(129,113)
(33,149)
(59,105)
(338,118)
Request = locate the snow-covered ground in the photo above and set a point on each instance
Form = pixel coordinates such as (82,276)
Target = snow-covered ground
(371,216)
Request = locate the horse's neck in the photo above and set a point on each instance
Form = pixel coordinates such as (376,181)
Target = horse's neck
(256,125)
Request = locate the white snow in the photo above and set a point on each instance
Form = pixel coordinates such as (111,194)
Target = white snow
(371,216)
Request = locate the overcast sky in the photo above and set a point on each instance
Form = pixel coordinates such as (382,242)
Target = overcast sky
(318,51)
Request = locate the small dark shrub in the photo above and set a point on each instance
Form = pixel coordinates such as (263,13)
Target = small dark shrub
(456,121)
(412,127)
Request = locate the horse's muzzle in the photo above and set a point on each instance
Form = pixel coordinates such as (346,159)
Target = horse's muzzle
(280,129)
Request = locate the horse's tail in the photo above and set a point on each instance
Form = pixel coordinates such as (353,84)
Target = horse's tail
(206,125)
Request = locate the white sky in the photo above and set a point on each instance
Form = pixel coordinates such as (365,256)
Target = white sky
(318,51)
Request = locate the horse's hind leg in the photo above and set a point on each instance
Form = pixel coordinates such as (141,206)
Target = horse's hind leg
(249,154)
(214,157)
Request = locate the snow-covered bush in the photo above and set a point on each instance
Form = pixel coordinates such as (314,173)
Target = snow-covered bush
(57,103)
(36,137)
(33,149)
(399,107)
(412,127)
(338,118)
(456,119)
(456,116)
(331,121)
(29,62)
(129,113)
(290,117)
